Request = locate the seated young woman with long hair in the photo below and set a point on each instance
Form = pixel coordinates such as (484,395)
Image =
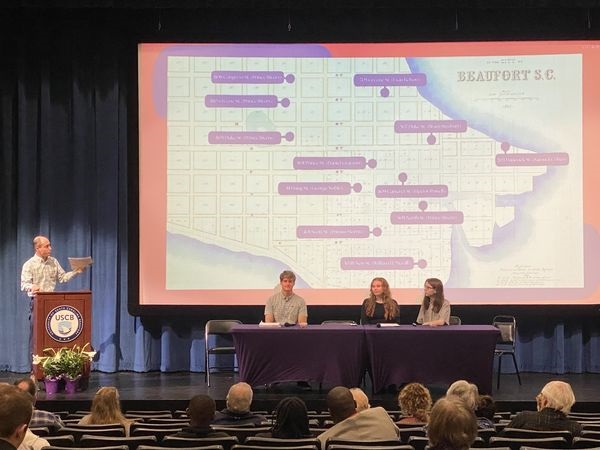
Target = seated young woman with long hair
(106,409)
(435,309)
(379,307)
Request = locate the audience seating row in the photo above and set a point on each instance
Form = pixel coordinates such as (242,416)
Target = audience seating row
(153,429)
(412,442)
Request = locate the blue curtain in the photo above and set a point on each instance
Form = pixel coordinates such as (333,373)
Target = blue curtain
(67,99)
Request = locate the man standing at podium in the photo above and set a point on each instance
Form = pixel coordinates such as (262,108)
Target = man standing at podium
(41,272)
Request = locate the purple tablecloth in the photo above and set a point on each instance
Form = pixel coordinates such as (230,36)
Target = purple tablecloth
(330,354)
(432,354)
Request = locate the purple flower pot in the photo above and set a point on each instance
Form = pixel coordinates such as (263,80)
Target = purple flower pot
(51,386)
(71,385)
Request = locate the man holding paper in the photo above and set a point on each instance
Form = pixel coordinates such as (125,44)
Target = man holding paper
(41,272)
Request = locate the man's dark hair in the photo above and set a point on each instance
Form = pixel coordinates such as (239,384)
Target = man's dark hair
(341,403)
(31,387)
(486,407)
(201,410)
(15,409)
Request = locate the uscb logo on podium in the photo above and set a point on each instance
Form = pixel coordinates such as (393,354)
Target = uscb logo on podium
(64,323)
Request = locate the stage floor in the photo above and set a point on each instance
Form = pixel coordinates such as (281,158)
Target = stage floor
(156,390)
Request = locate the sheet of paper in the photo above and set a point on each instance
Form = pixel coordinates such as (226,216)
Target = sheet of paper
(80,263)
(269,324)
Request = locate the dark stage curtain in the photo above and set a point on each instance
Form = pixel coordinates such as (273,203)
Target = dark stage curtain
(67,98)
(64,166)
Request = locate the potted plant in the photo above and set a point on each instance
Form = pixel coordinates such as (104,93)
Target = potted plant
(65,363)
(75,362)
(52,369)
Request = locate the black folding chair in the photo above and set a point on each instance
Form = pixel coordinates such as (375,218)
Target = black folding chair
(215,330)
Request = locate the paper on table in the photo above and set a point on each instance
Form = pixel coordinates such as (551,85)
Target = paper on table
(269,324)
(80,263)
(385,325)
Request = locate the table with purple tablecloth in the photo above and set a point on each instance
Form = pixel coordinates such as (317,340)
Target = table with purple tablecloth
(329,354)
(429,355)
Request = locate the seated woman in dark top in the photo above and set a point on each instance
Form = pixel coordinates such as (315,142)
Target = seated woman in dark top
(291,420)
(379,307)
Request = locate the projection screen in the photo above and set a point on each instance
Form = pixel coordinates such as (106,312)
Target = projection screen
(470,162)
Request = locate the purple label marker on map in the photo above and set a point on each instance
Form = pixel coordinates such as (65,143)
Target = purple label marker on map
(426,217)
(332,231)
(390,79)
(430,126)
(314,188)
(241,101)
(532,159)
(329,162)
(377,263)
(408,190)
(246,137)
(249,77)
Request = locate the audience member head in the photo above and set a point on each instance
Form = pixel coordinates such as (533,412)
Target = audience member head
(556,395)
(106,407)
(486,407)
(340,403)
(360,398)
(291,419)
(415,401)
(201,410)
(239,398)
(15,414)
(27,385)
(452,425)
(466,391)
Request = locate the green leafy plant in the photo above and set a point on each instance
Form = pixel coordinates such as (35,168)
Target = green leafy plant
(51,365)
(64,362)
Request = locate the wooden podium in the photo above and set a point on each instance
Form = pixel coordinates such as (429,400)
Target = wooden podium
(61,319)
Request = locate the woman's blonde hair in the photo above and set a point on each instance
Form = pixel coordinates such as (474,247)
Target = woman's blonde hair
(466,391)
(415,401)
(106,407)
(361,399)
(559,396)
